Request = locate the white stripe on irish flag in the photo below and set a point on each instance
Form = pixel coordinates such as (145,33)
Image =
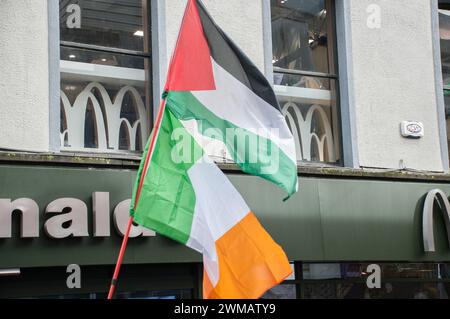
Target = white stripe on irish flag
(240,259)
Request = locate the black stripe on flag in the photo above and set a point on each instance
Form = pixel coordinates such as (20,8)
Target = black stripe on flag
(228,55)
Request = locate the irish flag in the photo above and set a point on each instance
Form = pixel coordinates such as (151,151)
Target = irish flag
(213,91)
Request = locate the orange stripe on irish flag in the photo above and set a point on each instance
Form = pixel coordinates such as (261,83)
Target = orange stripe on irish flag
(240,258)
(250,274)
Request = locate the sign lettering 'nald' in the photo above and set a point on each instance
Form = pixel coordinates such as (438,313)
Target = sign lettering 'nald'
(69,218)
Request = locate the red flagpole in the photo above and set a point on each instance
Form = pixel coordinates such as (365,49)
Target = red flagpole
(144,172)
(156,127)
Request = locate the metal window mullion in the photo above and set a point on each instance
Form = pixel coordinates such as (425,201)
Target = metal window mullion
(331,37)
(305,73)
(146,13)
(300,287)
(99,48)
(334,87)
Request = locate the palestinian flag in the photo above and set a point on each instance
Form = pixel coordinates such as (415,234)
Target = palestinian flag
(182,194)
(212,83)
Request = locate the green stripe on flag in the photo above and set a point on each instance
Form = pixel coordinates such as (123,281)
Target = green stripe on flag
(167,200)
(259,161)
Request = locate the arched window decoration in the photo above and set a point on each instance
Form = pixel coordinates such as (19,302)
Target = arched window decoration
(85,113)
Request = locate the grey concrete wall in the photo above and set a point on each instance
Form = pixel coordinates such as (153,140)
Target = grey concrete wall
(24,75)
(394,80)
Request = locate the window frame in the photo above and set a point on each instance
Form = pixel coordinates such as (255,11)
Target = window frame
(444,5)
(146,54)
(331,45)
(440,89)
(332,75)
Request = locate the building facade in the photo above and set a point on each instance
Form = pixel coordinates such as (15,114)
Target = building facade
(363,85)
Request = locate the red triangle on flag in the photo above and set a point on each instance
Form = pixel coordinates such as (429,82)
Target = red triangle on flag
(191,67)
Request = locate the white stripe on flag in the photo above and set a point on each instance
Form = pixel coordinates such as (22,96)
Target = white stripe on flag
(218,208)
(236,103)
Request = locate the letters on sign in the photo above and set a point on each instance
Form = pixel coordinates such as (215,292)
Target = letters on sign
(68,217)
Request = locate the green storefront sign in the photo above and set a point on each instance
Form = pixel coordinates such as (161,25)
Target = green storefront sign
(330,219)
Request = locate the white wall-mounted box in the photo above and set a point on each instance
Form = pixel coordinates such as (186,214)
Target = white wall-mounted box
(412,129)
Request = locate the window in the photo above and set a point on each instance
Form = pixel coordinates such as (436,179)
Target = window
(444,32)
(398,281)
(105,75)
(305,76)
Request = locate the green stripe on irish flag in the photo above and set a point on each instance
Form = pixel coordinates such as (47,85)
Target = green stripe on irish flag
(167,200)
